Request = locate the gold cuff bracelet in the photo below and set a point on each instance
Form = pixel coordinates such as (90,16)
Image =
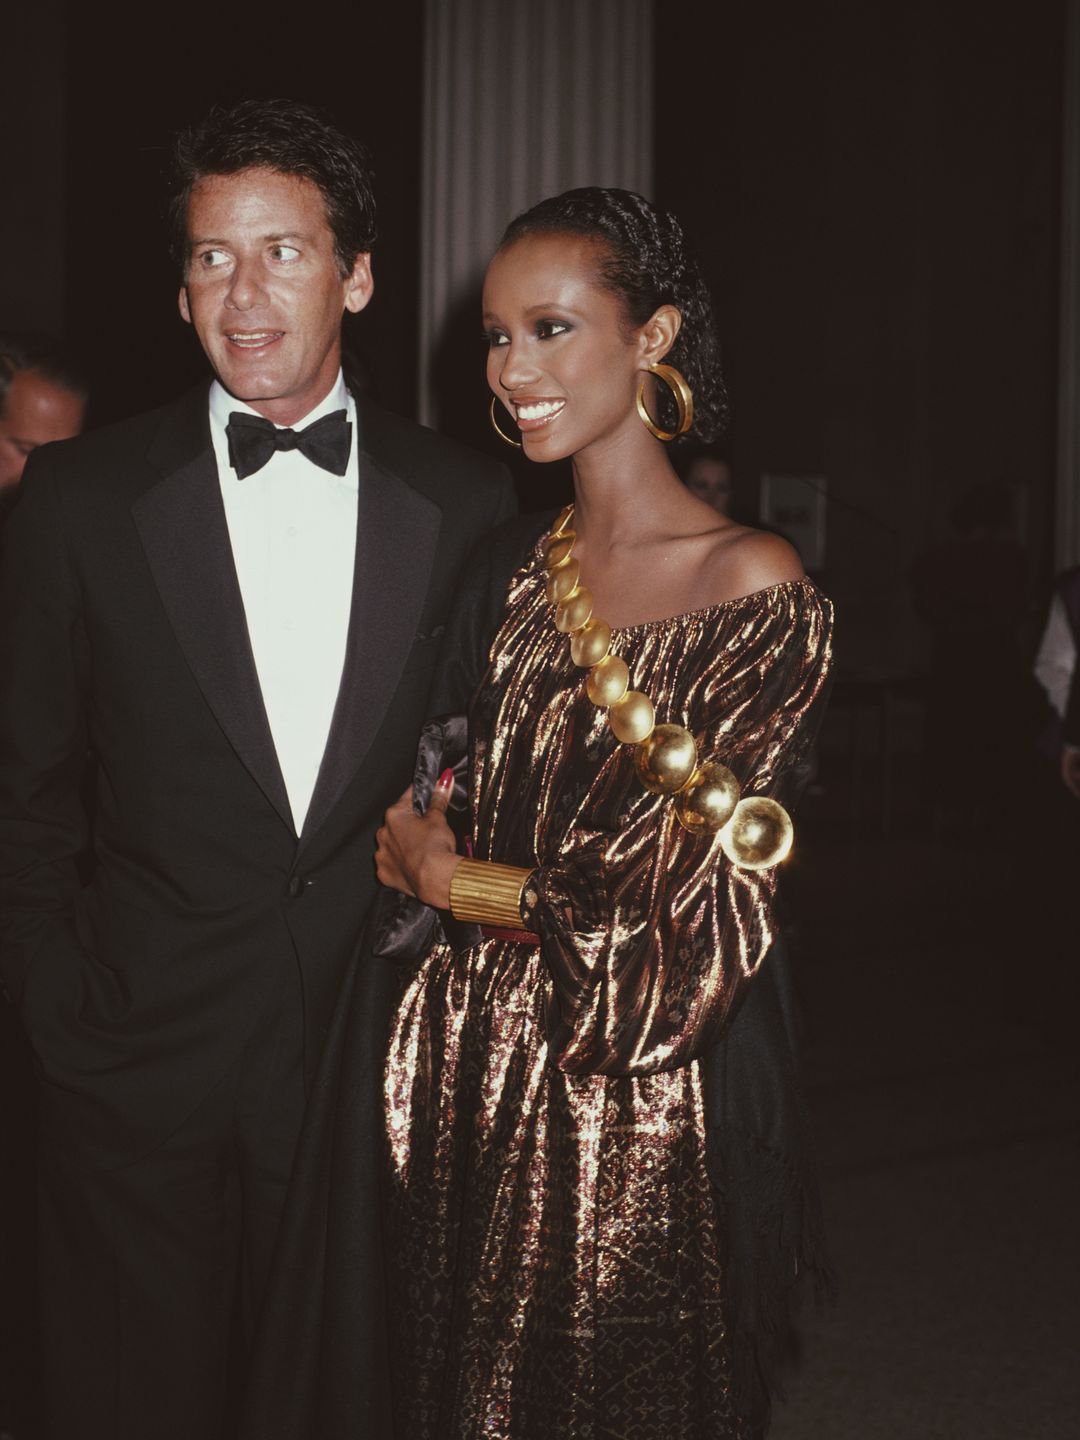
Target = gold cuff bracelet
(487,894)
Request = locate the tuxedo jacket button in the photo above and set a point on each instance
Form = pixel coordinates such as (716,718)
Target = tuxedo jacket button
(296,886)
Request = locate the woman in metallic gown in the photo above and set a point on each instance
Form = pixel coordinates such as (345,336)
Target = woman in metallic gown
(559,1212)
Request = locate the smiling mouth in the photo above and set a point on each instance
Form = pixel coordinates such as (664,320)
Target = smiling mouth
(535,414)
(253,339)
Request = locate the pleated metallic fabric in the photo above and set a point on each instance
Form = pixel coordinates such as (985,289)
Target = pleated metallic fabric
(555,1242)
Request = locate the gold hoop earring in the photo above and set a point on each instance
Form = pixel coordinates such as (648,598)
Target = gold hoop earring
(495,426)
(684,402)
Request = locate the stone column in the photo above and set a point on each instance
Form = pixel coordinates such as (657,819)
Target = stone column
(521,101)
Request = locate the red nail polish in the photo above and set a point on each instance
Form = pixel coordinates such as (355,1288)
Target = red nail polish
(445,780)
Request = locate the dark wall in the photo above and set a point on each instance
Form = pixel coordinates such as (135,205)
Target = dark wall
(876,193)
(32,117)
(127,94)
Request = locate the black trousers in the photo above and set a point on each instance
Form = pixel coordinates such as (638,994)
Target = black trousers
(152,1274)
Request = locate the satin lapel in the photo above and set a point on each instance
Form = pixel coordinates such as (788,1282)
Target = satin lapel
(181,522)
(396,537)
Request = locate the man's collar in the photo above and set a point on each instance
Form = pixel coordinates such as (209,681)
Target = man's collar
(222,404)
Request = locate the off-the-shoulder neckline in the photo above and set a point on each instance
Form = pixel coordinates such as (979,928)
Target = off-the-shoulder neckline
(803,582)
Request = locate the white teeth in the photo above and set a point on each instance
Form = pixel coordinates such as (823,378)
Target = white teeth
(252,338)
(539,409)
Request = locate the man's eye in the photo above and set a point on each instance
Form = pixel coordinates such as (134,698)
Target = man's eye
(285,253)
(212,259)
(548,329)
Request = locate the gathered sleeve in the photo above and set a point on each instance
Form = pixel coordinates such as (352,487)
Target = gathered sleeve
(647,931)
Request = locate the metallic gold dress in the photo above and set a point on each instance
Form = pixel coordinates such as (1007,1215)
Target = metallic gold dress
(557,1267)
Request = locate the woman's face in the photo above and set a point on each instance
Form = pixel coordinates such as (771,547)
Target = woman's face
(561,357)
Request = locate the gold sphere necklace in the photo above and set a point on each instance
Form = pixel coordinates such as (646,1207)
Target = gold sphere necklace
(755,832)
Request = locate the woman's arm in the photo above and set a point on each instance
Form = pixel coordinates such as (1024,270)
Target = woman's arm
(649,933)
(416,853)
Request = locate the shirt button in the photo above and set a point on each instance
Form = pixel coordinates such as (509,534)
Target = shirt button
(296,886)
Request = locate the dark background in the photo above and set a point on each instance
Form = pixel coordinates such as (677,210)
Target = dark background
(92,98)
(874,189)
(875,192)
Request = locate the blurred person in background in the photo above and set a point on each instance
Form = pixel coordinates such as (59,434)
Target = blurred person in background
(1050,810)
(1055,670)
(1070,748)
(42,398)
(706,472)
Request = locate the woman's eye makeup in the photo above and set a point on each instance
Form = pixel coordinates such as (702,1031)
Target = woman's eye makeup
(543,330)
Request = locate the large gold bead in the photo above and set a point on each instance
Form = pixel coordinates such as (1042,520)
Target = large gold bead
(709,800)
(760,834)
(608,682)
(562,520)
(557,548)
(591,643)
(632,718)
(574,610)
(559,583)
(667,759)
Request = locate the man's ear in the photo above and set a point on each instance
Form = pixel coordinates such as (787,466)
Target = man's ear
(182,301)
(359,284)
(658,333)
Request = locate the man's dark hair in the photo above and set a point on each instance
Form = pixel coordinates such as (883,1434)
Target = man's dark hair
(29,350)
(647,262)
(288,137)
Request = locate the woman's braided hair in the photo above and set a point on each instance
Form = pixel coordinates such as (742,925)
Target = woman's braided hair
(648,264)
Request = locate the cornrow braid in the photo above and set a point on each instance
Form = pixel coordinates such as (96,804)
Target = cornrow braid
(648,264)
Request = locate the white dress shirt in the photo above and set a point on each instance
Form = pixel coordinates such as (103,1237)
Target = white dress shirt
(292,526)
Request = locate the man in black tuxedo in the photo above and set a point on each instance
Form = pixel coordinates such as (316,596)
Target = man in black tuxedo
(236,602)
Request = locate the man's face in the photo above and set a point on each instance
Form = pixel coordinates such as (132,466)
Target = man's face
(36,412)
(264,289)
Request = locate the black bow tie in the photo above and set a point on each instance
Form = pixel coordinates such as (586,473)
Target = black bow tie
(252,440)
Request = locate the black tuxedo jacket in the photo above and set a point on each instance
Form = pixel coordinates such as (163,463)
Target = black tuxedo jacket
(122,631)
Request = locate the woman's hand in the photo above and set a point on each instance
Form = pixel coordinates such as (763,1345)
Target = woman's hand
(417,854)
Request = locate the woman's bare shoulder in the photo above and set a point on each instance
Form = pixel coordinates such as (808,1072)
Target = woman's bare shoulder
(745,560)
